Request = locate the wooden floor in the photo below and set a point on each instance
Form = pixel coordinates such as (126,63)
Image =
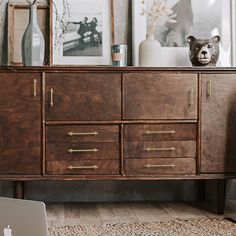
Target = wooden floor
(92,214)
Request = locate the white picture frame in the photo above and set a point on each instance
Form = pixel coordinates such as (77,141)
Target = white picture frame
(68,47)
(179,56)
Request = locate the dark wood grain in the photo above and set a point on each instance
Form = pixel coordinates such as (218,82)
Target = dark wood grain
(139,132)
(20,124)
(104,167)
(105,133)
(218,124)
(136,167)
(160,96)
(83,96)
(138,149)
(59,151)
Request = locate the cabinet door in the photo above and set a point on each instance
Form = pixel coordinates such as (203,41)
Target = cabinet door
(160,96)
(83,97)
(218,124)
(20,124)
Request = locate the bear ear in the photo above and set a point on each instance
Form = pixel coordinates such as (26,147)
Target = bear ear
(216,39)
(191,39)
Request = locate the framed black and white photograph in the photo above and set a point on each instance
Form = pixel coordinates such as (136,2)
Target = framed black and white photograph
(200,18)
(81,32)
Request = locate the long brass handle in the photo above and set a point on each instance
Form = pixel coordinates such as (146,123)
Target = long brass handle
(35,88)
(82,134)
(209,85)
(51,97)
(190,97)
(82,150)
(159,166)
(149,149)
(82,167)
(160,132)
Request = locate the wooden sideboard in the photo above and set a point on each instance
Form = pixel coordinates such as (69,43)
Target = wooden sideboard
(106,123)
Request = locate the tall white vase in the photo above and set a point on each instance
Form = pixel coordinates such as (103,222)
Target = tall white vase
(33,45)
(150,52)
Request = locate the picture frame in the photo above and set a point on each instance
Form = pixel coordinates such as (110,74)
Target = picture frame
(81,31)
(178,56)
(18,19)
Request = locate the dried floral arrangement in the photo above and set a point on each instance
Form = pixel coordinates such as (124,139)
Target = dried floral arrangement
(158,10)
(31,2)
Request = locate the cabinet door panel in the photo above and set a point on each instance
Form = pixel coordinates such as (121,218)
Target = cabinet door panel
(218,125)
(73,96)
(160,96)
(20,123)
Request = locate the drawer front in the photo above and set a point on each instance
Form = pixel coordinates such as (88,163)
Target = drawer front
(137,167)
(83,97)
(84,167)
(160,96)
(90,133)
(160,149)
(162,132)
(81,151)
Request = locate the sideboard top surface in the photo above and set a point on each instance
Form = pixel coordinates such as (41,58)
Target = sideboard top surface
(110,69)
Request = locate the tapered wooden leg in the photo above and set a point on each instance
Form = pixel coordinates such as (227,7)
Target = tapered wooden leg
(19,189)
(202,190)
(221,188)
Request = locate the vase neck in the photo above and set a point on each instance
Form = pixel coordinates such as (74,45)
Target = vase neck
(150,36)
(33,16)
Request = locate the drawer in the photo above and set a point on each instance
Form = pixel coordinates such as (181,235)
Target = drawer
(160,96)
(160,149)
(81,151)
(83,167)
(160,132)
(89,133)
(167,166)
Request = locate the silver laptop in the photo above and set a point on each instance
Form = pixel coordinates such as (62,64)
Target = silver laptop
(22,218)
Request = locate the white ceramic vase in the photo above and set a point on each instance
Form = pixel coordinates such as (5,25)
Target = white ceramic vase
(33,45)
(150,52)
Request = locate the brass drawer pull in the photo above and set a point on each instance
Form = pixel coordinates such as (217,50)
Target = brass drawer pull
(35,88)
(209,92)
(82,167)
(190,97)
(82,134)
(159,166)
(149,149)
(82,150)
(51,97)
(160,132)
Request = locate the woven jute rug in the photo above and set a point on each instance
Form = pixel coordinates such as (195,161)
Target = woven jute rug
(201,227)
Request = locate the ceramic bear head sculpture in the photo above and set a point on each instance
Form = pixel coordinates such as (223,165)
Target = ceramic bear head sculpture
(204,52)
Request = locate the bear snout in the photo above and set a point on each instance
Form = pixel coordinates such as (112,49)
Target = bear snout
(204,56)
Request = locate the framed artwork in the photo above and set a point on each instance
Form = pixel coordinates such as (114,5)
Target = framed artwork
(81,32)
(200,18)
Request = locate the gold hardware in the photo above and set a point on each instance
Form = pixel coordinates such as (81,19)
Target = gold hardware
(81,134)
(160,132)
(82,167)
(51,97)
(190,97)
(149,149)
(209,85)
(159,166)
(82,150)
(35,88)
